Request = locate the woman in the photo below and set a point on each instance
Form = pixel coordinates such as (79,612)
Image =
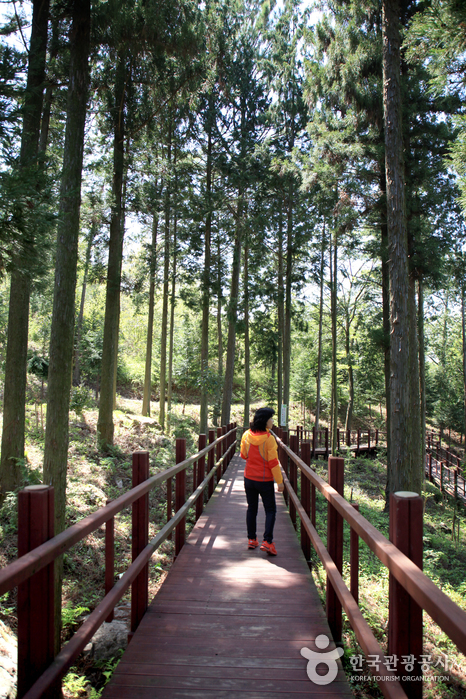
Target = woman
(259,449)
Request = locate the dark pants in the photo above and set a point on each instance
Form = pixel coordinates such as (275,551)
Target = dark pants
(267,492)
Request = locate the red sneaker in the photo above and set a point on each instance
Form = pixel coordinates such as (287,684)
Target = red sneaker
(269,548)
(253,543)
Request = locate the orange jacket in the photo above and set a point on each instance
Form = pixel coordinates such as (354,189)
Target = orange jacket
(259,449)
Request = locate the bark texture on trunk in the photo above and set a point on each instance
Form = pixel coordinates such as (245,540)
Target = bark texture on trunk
(247,371)
(206,291)
(219,335)
(334,411)
(422,374)
(150,320)
(115,256)
(386,319)
(321,316)
(79,323)
(232,317)
(280,313)
(171,331)
(416,478)
(14,401)
(287,315)
(66,262)
(400,466)
(463,333)
(166,273)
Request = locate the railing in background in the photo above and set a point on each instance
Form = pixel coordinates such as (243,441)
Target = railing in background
(39,674)
(358,441)
(445,468)
(410,590)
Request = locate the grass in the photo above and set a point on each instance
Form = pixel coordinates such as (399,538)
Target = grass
(94,477)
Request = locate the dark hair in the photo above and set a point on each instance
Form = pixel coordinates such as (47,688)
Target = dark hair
(260,419)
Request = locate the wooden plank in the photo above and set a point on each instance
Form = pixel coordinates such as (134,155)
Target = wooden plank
(228,621)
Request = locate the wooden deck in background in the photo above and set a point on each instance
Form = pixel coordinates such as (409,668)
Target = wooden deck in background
(229,622)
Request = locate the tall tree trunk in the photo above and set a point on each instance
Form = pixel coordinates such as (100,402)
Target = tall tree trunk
(63,314)
(166,272)
(206,288)
(280,313)
(115,256)
(14,401)
(422,374)
(219,335)
(414,391)
(54,48)
(349,362)
(400,477)
(385,318)
(232,316)
(247,369)
(172,320)
(150,320)
(79,324)
(321,317)
(463,334)
(334,423)
(287,319)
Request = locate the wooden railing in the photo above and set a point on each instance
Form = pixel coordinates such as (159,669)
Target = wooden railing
(39,673)
(410,590)
(445,468)
(356,440)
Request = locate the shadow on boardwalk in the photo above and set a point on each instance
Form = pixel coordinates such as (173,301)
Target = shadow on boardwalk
(229,622)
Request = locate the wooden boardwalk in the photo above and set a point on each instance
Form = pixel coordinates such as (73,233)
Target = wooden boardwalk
(229,622)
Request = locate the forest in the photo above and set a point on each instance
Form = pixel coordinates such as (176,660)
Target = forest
(228,203)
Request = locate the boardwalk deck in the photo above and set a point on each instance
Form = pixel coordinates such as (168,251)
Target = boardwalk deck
(229,622)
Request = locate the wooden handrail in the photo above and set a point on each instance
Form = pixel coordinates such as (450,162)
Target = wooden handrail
(448,615)
(76,645)
(20,570)
(390,688)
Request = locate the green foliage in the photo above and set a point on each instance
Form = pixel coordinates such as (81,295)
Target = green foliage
(80,399)
(72,615)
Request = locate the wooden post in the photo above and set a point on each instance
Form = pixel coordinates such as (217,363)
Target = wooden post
(336,468)
(404,615)
(169,502)
(36,630)
(224,449)
(430,467)
(219,453)
(140,539)
(455,476)
(368,439)
(109,558)
(211,463)
(306,499)
(180,494)
(348,438)
(200,475)
(314,442)
(294,446)
(354,560)
(285,461)
(441,476)
(338,438)
(326,443)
